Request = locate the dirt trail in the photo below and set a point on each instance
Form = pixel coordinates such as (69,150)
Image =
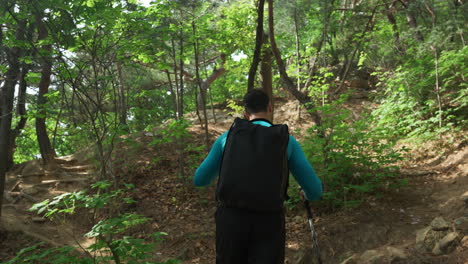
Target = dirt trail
(435,190)
(30,183)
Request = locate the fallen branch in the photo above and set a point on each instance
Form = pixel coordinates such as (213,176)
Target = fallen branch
(46,182)
(29,197)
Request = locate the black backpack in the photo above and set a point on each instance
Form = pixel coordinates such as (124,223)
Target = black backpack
(254,169)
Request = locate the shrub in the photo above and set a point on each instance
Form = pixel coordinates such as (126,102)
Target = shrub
(353,159)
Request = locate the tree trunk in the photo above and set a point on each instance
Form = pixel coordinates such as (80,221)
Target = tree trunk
(122,102)
(432,11)
(437,86)
(303,98)
(205,84)
(411,18)
(298,55)
(203,91)
(21,112)
(176,80)
(47,152)
(181,145)
(266,75)
(391,18)
(258,46)
(212,106)
(6,105)
(21,102)
(414,24)
(173,93)
(181,77)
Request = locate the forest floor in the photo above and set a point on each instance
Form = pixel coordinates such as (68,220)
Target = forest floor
(438,186)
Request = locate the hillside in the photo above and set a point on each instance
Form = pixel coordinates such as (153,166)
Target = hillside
(382,230)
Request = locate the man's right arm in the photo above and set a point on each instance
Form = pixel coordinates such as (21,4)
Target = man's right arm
(209,169)
(303,171)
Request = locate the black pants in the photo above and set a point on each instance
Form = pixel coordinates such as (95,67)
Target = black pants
(247,237)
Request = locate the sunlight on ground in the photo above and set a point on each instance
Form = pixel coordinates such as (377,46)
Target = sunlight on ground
(293,245)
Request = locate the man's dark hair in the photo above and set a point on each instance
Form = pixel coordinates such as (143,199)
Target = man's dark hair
(256,101)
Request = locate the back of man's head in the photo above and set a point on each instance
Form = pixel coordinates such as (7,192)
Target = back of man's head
(256,101)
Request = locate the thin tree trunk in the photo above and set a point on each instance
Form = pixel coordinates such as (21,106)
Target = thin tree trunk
(457,4)
(367,29)
(197,105)
(212,106)
(21,112)
(439,102)
(181,100)
(433,14)
(57,122)
(258,46)
(173,93)
(199,81)
(176,79)
(298,56)
(6,105)
(122,96)
(21,101)
(323,40)
(181,76)
(47,152)
(209,89)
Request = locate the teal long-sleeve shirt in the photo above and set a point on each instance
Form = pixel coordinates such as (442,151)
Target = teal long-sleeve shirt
(298,164)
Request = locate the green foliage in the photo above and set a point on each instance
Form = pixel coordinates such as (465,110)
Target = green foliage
(68,202)
(176,132)
(38,255)
(173,131)
(236,109)
(409,107)
(147,106)
(116,225)
(353,159)
(64,138)
(320,85)
(294,194)
(453,68)
(27,147)
(112,244)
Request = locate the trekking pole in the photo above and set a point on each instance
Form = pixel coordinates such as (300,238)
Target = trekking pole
(314,235)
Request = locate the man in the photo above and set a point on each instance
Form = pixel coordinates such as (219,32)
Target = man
(252,161)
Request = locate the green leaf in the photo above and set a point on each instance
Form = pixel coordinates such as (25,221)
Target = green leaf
(33,77)
(90,3)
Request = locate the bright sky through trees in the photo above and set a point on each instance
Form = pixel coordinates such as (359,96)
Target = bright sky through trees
(145,2)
